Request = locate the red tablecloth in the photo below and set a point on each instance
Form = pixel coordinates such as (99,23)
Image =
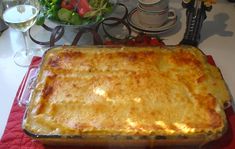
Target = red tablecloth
(14,137)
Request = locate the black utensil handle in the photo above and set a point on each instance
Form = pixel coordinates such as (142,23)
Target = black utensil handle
(3,26)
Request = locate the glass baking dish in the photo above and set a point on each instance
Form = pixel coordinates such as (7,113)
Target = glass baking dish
(111,59)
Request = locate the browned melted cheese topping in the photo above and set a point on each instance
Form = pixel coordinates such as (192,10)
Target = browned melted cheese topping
(166,91)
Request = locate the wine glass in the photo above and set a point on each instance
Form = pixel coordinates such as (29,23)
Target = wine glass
(21,15)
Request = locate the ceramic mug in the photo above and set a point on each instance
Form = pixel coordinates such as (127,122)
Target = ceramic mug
(153,19)
(153,5)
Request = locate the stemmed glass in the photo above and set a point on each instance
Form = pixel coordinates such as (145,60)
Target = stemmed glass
(21,15)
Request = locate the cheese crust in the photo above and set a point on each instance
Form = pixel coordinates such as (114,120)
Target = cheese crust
(160,91)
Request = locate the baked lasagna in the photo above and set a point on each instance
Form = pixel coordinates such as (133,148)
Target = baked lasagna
(127,91)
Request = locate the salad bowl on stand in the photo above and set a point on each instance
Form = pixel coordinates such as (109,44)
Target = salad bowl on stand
(75,15)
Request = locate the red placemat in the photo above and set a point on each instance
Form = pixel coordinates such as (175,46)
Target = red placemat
(14,137)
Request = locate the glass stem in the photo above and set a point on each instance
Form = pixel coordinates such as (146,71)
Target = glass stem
(25,43)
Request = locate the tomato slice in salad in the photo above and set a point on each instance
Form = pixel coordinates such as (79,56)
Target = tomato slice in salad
(68,4)
(83,7)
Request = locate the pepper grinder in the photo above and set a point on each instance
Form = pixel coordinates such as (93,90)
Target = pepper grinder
(196,14)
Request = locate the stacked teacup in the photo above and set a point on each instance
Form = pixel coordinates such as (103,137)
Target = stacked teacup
(154,13)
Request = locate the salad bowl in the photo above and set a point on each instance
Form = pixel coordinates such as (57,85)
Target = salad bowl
(75,14)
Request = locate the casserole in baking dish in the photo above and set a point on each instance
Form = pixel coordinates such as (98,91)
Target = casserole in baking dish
(146,95)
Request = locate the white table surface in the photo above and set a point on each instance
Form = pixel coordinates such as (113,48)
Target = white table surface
(217,39)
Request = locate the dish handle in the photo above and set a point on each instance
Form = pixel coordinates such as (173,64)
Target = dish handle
(171,14)
(27,86)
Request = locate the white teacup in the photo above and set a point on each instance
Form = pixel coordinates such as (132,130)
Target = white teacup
(153,19)
(153,5)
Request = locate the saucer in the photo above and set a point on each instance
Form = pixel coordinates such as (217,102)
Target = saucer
(133,20)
